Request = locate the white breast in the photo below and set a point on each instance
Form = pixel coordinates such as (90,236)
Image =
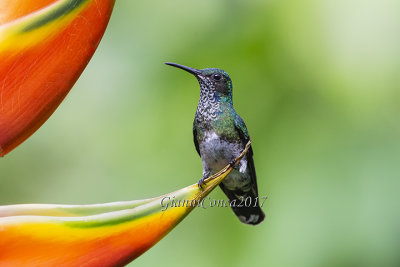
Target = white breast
(217,153)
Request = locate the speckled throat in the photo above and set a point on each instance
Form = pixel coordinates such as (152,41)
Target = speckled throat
(208,106)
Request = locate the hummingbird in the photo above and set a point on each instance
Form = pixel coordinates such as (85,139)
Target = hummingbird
(220,135)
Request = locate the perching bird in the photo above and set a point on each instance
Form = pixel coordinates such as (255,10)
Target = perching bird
(220,135)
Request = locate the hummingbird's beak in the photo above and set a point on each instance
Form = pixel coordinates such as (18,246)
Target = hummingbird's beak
(193,71)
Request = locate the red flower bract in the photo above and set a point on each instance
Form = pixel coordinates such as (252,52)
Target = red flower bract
(44,47)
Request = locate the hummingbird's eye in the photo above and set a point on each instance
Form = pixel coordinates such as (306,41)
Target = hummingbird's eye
(217,77)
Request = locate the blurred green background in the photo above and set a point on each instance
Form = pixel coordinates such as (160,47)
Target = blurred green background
(317,83)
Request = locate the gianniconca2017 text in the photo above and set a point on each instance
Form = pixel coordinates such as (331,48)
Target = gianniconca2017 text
(170,202)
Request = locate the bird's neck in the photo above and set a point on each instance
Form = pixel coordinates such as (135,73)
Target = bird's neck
(211,105)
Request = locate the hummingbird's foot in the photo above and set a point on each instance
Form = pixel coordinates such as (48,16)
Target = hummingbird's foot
(232,163)
(201,181)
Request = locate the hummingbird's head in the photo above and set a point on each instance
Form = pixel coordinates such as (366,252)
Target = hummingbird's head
(211,79)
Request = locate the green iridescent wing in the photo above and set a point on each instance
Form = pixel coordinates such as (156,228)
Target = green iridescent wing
(241,128)
(245,137)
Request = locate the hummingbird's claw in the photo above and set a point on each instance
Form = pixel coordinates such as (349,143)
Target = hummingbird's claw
(200,182)
(232,163)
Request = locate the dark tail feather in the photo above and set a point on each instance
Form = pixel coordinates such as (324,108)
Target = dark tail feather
(244,205)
